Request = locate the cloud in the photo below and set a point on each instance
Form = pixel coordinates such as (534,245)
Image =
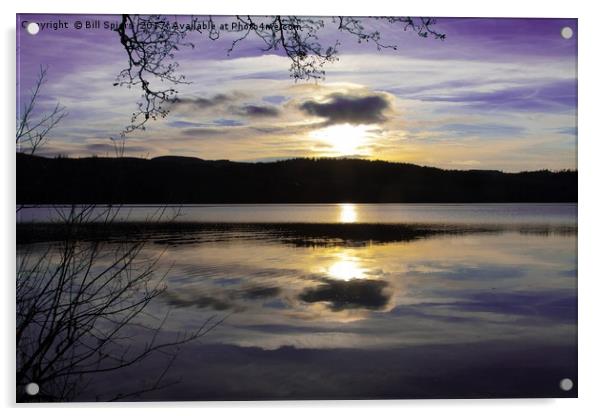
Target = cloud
(225,300)
(492,130)
(197,300)
(467,272)
(352,294)
(342,108)
(202,131)
(220,104)
(559,305)
(257,111)
(226,122)
(202,103)
(556,95)
(218,122)
(569,131)
(275,99)
(279,329)
(261,292)
(184,124)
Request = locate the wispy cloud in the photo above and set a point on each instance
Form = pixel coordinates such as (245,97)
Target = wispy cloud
(558,95)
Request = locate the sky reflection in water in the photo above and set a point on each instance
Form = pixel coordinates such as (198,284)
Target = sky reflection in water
(450,288)
(326,312)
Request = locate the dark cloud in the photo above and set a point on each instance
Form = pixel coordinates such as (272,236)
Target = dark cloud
(352,294)
(353,109)
(299,329)
(204,102)
(199,301)
(257,111)
(224,103)
(260,292)
(224,300)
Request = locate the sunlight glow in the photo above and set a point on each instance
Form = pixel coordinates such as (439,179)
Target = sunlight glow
(347,268)
(347,213)
(343,139)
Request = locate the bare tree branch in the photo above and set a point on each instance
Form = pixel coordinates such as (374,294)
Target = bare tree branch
(32,129)
(151,43)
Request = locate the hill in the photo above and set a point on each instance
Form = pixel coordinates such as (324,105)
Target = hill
(185,180)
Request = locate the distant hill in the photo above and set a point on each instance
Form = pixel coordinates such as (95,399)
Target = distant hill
(185,180)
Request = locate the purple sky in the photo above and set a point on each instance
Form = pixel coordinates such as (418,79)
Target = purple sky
(497,93)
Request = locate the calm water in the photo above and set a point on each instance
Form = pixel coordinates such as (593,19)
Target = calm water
(344,312)
(333,213)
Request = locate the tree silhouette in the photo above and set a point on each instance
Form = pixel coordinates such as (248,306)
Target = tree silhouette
(151,43)
(76,299)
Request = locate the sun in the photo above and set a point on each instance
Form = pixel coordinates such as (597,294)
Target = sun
(343,139)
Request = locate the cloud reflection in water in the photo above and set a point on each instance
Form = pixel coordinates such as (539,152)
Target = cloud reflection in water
(413,287)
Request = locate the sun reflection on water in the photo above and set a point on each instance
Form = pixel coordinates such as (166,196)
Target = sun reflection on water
(346,268)
(347,213)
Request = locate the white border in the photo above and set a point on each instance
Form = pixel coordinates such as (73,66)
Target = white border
(590,207)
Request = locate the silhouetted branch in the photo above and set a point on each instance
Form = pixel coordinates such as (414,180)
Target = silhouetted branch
(151,42)
(32,129)
(422,26)
(77,300)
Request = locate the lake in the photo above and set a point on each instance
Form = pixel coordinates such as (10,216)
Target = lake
(330,213)
(341,301)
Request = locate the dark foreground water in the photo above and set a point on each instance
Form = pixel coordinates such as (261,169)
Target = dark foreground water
(350,301)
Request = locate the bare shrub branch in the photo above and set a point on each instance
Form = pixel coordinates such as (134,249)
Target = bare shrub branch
(32,129)
(77,302)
